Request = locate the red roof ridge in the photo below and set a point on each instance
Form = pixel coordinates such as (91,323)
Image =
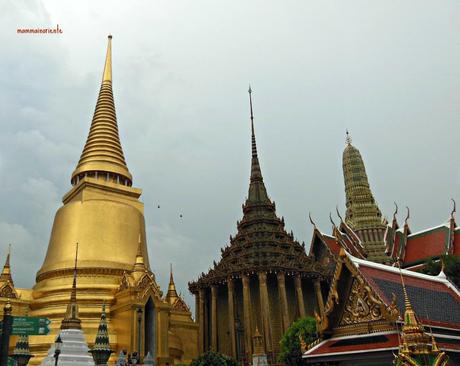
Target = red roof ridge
(441,279)
(446,225)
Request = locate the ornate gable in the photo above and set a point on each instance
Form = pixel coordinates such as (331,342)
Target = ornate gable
(352,306)
(8,291)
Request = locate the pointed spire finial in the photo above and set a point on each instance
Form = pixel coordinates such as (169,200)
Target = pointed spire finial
(140,264)
(254,147)
(348,138)
(406,296)
(454,209)
(5,275)
(107,76)
(311,220)
(71,320)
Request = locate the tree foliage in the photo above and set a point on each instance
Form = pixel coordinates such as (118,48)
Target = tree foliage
(451,268)
(291,354)
(213,359)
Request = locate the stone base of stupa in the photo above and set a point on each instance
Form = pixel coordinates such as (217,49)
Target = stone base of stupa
(74,350)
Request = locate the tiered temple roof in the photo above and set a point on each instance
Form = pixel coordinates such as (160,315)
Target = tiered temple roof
(261,241)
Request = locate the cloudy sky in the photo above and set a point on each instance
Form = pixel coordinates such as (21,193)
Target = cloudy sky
(388,70)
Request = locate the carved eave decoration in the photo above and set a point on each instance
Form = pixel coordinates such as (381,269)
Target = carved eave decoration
(180,305)
(363,311)
(8,291)
(145,284)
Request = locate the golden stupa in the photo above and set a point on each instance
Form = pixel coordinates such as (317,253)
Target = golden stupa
(103,214)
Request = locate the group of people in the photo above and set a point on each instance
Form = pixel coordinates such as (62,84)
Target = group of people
(133,358)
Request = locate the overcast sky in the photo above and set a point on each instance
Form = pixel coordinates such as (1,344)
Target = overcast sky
(389,71)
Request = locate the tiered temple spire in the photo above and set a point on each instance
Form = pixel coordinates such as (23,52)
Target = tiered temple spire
(362,210)
(103,155)
(257,191)
(71,320)
(172,295)
(5,276)
(363,215)
(101,350)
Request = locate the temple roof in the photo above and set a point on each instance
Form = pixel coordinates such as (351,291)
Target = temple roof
(366,344)
(434,298)
(103,152)
(261,242)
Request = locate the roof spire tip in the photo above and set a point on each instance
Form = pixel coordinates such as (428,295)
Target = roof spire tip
(348,138)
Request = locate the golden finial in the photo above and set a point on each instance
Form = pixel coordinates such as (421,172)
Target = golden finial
(107,76)
(311,220)
(139,256)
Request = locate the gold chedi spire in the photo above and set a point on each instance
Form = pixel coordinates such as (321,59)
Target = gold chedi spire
(103,154)
(172,295)
(71,320)
(362,210)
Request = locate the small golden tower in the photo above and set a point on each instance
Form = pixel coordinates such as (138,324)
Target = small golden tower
(416,347)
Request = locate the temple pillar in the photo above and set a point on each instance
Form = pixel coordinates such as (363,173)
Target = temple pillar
(201,321)
(247,317)
(231,316)
(299,294)
(213,318)
(265,312)
(319,296)
(283,299)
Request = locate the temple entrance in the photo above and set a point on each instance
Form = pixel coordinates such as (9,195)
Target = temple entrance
(149,329)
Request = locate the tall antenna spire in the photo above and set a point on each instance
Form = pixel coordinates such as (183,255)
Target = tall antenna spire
(71,320)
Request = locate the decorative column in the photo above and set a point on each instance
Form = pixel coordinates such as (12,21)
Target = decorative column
(319,296)
(247,316)
(265,311)
(299,294)
(283,299)
(201,321)
(214,318)
(231,316)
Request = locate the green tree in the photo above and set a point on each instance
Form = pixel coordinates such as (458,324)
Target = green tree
(213,359)
(451,268)
(291,354)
